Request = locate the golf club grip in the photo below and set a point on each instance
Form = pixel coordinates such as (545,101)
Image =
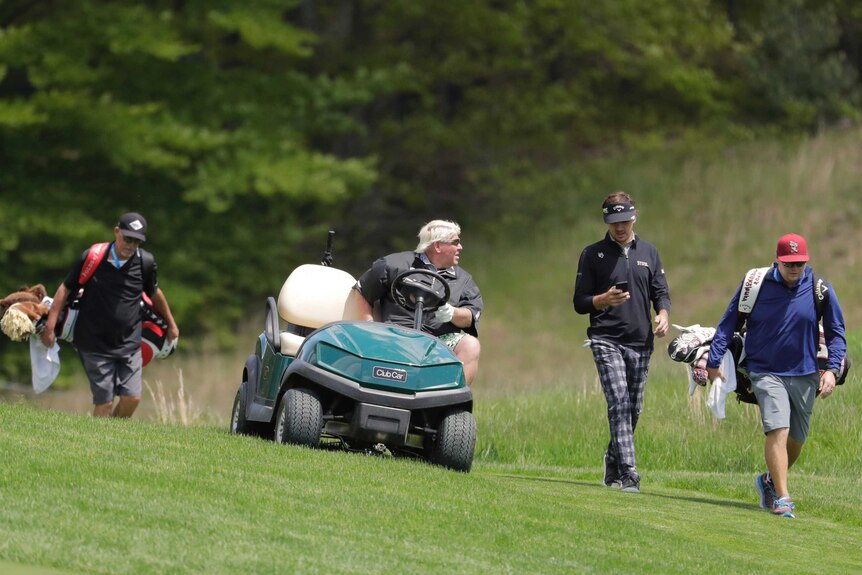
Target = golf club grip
(327,253)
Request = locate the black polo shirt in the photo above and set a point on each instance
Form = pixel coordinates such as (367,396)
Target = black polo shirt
(374,285)
(109,321)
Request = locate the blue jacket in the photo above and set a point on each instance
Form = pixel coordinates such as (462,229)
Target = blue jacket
(782,331)
(604,263)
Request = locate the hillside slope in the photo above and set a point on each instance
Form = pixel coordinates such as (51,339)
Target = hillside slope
(713,214)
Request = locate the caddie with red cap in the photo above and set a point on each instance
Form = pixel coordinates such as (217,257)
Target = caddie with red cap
(792,248)
(782,348)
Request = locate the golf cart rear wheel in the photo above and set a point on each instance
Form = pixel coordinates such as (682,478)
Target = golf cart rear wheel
(239,425)
(455,441)
(300,418)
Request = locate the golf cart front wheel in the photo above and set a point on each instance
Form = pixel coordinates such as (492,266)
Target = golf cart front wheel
(300,418)
(455,441)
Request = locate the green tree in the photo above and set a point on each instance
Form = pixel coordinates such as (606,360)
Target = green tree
(199,117)
(488,92)
(795,68)
(198,114)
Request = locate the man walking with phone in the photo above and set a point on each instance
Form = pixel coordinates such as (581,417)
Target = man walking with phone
(619,279)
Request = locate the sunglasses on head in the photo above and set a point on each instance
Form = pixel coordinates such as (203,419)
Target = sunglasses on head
(793,264)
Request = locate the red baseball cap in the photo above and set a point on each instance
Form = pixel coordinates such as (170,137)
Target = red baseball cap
(792,248)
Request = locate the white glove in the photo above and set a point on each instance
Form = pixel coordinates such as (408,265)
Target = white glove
(444,314)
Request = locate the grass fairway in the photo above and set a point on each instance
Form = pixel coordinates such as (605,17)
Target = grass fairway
(80,495)
(87,495)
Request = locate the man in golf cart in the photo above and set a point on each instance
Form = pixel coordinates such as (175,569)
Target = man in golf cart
(456,323)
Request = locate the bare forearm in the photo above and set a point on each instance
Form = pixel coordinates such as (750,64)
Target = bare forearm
(59,302)
(160,303)
(363,307)
(463,317)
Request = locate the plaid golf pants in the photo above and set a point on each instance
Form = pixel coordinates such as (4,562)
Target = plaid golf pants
(623,375)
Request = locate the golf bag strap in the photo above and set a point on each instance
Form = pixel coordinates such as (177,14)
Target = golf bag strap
(95,255)
(751,289)
(749,292)
(148,262)
(821,294)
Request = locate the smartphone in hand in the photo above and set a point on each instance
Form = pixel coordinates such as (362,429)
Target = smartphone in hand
(622,286)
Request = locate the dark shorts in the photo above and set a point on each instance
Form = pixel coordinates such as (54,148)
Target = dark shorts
(112,376)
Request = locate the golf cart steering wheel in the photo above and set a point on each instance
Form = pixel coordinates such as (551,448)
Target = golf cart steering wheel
(420,288)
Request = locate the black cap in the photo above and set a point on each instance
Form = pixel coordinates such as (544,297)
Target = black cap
(133,225)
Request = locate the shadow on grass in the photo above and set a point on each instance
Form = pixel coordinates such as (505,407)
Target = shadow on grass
(599,487)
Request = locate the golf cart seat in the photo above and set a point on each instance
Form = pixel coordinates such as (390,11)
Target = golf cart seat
(311,297)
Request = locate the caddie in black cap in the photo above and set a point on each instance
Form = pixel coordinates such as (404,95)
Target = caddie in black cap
(122,294)
(614,212)
(133,225)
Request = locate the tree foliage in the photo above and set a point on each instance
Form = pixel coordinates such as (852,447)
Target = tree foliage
(795,67)
(201,118)
(244,130)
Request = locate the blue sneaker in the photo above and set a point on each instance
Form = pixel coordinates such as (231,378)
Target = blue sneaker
(784,507)
(766,489)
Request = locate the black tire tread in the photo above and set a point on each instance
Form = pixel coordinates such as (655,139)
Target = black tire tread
(303,417)
(456,441)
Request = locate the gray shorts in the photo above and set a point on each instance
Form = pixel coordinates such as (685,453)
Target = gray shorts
(451,340)
(786,401)
(112,376)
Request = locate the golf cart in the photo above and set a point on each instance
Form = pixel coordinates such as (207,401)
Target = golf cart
(320,376)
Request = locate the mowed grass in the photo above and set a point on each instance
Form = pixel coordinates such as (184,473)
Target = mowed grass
(87,495)
(80,495)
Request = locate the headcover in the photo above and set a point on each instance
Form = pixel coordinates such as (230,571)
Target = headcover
(684,347)
(618,212)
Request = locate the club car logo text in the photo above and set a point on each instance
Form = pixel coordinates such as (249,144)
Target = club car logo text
(389,373)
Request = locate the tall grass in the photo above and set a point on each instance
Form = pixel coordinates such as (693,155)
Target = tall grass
(170,410)
(712,213)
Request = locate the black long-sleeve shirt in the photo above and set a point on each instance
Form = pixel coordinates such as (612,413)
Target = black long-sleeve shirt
(605,263)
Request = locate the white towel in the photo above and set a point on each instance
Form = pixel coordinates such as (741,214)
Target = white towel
(717,396)
(44,362)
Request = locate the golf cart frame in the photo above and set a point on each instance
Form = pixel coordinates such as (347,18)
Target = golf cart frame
(320,373)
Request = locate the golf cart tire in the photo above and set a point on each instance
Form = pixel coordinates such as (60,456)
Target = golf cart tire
(239,425)
(300,418)
(455,441)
